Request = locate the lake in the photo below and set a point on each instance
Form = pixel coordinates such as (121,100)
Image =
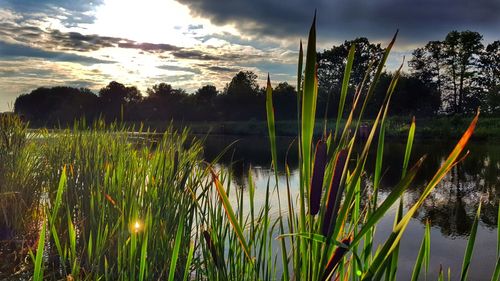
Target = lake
(450,208)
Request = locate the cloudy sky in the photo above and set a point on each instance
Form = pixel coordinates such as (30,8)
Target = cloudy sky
(190,43)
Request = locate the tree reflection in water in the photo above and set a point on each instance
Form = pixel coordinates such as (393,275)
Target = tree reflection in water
(451,206)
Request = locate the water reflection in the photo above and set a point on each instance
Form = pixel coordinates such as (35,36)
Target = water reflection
(450,208)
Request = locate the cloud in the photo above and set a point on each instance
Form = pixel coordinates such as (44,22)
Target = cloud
(222,69)
(346,19)
(179,68)
(71,12)
(195,27)
(194,55)
(18,51)
(148,47)
(15,30)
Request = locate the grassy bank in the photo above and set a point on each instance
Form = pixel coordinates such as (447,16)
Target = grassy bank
(397,127)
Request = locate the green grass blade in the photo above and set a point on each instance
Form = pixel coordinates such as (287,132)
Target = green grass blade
(409,144)
(144,254)
(345,87)
(309,98)
(422,253)
(230,215)
(271,125)
(38,269)
(470,246)
(496,273)
(188,262)
(299,86)
(177,246)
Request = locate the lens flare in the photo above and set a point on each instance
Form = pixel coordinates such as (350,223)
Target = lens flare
(136,227)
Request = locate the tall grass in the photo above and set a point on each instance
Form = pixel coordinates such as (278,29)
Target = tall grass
(114,206)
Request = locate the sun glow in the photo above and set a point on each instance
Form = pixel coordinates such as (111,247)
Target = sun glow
(136,227)
(152,21)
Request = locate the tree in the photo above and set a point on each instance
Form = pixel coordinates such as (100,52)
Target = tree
(206,93)
(331,63)
(285,101)
(57,105)
(117,93)
(117,99)
(244,83)
(427,64)
(462,51)
(490,76)
(160,90)
(452,67)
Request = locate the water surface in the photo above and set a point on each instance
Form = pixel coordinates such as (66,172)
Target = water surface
(450,208)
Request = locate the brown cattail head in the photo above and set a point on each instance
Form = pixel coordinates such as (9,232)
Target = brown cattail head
(336,258)
(211,248)
(331,212)
(176,163)
(317,177)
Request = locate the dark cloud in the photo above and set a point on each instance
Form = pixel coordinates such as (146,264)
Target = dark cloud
(180,68)
(221,69)
(149,47)
(72,41)
(78,42)
(272,67)
(195,27)
(19,51)
(345,19)
(76,10)
(194,55)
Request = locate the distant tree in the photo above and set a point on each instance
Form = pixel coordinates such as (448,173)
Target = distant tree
(452,66)
(164,102)
(285,103)
(57,105)
(164,91)
(493,100)
(462,51)
(116,99)
(206,93)
(331,63)
(490,76)
(411,97)
(244,83)
(116,92)
(427,64)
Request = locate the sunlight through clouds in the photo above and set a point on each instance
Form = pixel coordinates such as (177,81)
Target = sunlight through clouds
(154,21)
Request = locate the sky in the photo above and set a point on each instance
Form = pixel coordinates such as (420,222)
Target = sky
(191,43)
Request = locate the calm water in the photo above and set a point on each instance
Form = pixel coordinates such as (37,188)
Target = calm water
(450,208)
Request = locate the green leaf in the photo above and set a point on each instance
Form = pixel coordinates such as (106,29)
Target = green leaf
(230,215)
(409,144)
(188,262)
(422,253)
(177,246)
(345,87)
(309,98)
(271,124)
(470,246)
(38,269)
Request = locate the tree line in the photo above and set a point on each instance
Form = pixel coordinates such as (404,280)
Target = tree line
(453,76)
